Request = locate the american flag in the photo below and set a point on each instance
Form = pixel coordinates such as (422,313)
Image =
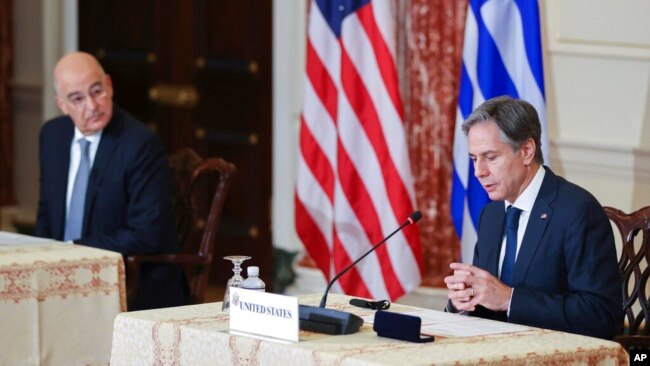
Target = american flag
(354,183)
(502,55)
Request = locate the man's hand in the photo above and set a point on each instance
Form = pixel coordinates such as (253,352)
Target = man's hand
(470,286)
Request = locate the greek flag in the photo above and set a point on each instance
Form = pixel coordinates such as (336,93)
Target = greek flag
(502,55)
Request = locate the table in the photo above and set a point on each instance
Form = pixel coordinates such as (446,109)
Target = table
(198,335)
(58,302)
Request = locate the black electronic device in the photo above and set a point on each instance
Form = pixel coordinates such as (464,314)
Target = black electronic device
(328,321)
(400,326)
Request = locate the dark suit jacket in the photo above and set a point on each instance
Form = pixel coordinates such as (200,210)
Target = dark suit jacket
(128,200)
(566,274)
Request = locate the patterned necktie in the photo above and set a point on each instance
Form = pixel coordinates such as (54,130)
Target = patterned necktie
(512,223)
(76,211)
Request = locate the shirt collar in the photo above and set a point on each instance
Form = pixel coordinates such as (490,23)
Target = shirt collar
(526,199)
(94,138)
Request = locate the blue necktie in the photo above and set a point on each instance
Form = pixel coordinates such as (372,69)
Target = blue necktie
(512,223)
(76,212)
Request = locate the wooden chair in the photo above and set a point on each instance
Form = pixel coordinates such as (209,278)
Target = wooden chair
(197,218)
(633,264)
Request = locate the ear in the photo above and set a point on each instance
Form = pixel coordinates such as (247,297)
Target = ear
(62,105)
(528,149)
(109,85)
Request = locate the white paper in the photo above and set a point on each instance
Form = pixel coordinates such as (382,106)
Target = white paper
(427,316)
(470,328)
(436,316)
(439,323)
(7,238)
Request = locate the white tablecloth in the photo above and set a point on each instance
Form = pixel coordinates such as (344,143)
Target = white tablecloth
(58,303)
(198,335)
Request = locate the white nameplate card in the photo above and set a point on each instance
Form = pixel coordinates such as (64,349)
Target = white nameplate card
(264,314)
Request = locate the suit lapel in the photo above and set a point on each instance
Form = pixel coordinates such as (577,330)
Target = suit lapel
(491,234)
(103,157)
(60,170)
(537,223)
(496,236)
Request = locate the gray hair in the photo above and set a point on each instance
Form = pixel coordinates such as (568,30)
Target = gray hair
(516,119)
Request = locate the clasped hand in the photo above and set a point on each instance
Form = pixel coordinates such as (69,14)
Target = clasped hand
(470,286)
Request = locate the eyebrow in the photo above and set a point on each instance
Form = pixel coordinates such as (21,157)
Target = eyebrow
(73,94)
(484,153)
(96,83)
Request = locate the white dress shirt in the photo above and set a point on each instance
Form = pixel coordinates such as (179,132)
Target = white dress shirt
(75,156)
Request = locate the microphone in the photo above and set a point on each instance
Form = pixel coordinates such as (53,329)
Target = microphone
(328,321)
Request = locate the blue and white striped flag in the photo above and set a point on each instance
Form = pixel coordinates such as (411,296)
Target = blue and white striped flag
(502,55)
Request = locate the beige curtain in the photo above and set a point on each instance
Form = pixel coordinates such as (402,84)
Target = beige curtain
(6,120)
(432,51)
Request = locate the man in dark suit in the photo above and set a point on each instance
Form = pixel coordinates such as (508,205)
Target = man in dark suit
(105,180)
(558,268)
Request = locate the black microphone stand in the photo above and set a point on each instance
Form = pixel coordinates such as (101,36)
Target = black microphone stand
(415,216)
(329,321)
